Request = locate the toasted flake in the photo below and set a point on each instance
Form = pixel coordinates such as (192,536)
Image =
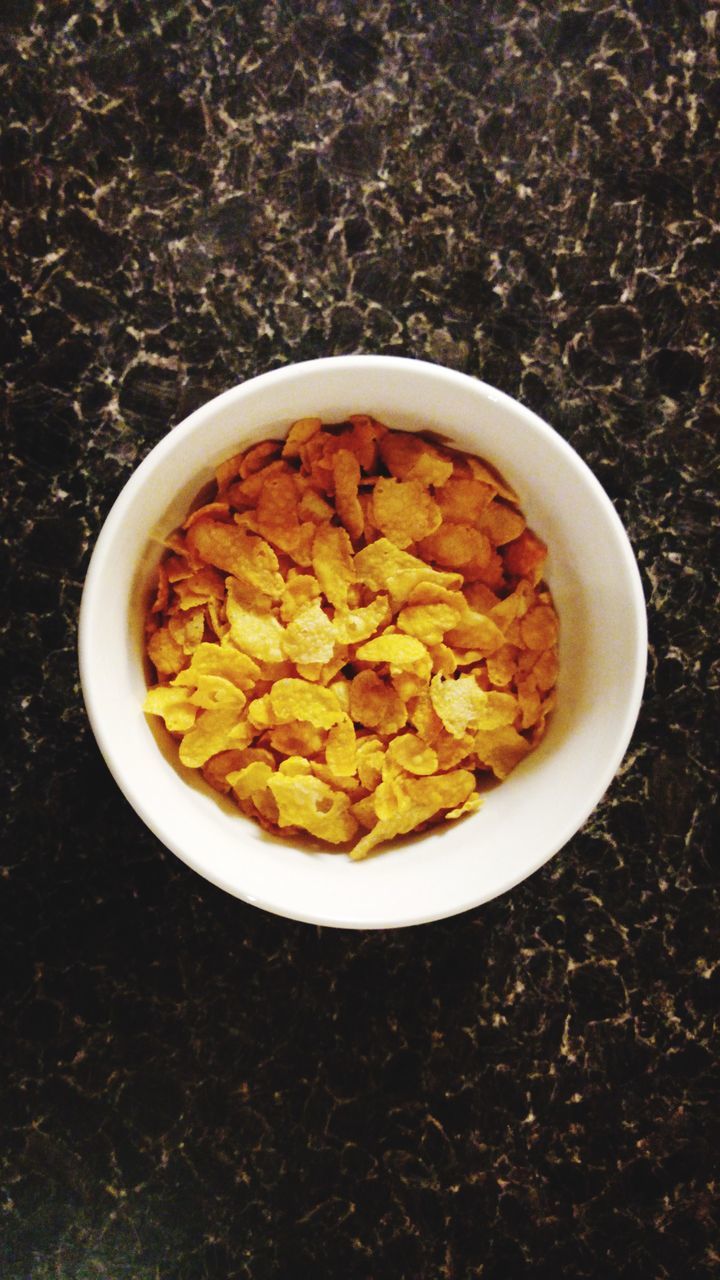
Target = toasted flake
(400,651)
(332,563)
(340,749)
(299,700)
(456,544)
(500,749)
(471,805)
(216,691)
(539,627)
(459,702)
(346,473)
(298,738)
(310,637)
(429,622)
(404,511)
(413,754)
(307,802)
(187,628)
(462,500)
(300,589)
(375,704)
(166,655)
(250,779)
(247,557)
(476,631)
(382,566)
(423,798)
(197,589)
(173,706)
(300,432)
(220,660)
(212,732)
(501,523)
(525,557)
(258,457)
(355,625)
(408,457)
(256,633)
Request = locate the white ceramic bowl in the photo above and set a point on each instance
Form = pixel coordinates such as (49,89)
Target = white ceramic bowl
(597,592)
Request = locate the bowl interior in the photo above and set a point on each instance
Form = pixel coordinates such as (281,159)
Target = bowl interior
(596,588)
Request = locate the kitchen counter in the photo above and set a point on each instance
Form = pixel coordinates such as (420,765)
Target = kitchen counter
(194,193)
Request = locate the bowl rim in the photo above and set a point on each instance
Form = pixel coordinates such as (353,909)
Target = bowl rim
(154,460)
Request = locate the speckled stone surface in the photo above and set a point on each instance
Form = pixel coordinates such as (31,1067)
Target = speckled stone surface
(197,191)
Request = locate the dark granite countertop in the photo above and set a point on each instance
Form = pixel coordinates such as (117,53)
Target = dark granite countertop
(195,191)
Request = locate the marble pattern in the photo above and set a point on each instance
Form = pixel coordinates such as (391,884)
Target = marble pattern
(196,191)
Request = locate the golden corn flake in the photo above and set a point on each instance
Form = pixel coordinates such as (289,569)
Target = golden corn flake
(214,731)
(444,660)
(476,631)
(351,631)
(355,625)
(299,433)
(340,749)
(382,566)
(412,754)
(299,590)
(456,544)
(173,706)
(501,523)
(404,510)
(186,628)
(307,802)
(399,651)
(458,702)
(299,738)
(166,655)
(255,632)
(220,660)
(500,749)
(299,700)
(539,627)
(462,499)
(375,704)
(346,472)
(243,555)
(250,779)
(332,562)
(429,622)
(216,691)
(310,636)
(408,457)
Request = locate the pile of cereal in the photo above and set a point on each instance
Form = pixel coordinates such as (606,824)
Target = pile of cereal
(353,633)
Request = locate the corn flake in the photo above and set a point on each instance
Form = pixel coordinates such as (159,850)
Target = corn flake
(340,749)
(382,566)
(346,473)
(173,706)
(332,562)
(375,704)
(212,732)
(412,754)
(429,622)
(404,510)
(247,557)
(310,637)
(308,802)
(299,700)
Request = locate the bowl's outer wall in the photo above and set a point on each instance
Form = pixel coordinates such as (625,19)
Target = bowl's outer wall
(595,584)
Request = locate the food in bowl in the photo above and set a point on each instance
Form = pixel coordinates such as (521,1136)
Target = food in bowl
(524,821)
(351,634)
